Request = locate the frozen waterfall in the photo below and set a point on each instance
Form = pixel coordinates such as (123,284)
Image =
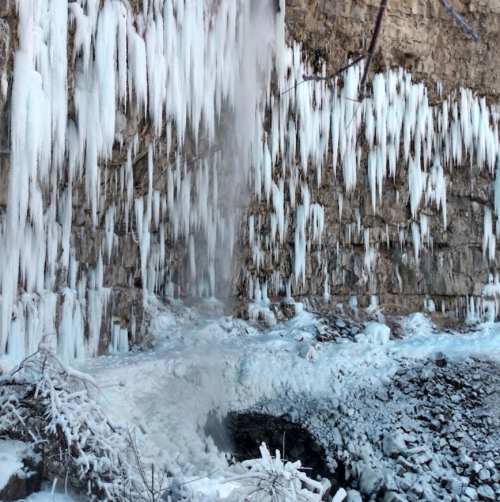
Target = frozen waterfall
(212,87)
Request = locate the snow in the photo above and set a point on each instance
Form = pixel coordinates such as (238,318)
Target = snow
(226,364)
(202,364)
(46,495)
(11,455)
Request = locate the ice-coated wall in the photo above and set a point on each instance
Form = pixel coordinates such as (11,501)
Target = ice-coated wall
(172,67)
(162,148)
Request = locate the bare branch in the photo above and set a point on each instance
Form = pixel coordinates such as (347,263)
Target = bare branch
(371,49)
(317,78)
(460,21)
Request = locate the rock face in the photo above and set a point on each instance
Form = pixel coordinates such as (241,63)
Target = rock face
(421,37)
(146,177)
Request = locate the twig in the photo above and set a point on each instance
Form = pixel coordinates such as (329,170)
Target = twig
(460,21)
(317,78)
(192,480)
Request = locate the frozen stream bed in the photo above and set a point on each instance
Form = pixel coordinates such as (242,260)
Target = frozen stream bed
(415,418)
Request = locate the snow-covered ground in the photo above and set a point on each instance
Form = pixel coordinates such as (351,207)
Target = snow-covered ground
(351,395)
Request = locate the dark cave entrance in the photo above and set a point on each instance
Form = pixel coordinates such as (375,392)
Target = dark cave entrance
(241,435)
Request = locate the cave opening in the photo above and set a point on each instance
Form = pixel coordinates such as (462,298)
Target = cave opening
(240,434)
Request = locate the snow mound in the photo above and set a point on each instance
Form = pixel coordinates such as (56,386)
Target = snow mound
(11,460)
(419,323)
(7,365)
(375,333)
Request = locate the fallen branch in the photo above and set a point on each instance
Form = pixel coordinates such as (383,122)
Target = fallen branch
(272,479)
(48,403)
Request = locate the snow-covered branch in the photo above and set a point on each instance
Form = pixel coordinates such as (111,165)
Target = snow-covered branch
(49,403)
(272,479)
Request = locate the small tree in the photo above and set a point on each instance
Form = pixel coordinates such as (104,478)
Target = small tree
(272,479)
(47,403)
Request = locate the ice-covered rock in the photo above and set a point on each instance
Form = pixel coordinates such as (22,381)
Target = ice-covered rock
(308,351)
(474,465)
(393,444)
(485,492)
(377,333)
(484,475)
(441,359)
(353,496)
(370,481)
(471,492)
(394,497)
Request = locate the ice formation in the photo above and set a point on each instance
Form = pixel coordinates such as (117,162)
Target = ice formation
(485,308)
(183,65)
(178,61)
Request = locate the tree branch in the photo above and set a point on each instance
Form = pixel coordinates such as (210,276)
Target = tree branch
(460,21)
(371,49)
(317,78)
(373,44)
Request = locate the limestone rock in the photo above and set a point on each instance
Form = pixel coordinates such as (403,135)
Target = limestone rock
(419,36)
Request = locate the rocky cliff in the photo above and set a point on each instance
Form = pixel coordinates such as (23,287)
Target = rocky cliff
(425,40)
(162,149)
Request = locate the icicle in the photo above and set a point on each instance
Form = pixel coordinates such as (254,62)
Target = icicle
(416,240)
(182,66)
(300,245)
(417,182)
(119,340)
(370,254)
(489,240)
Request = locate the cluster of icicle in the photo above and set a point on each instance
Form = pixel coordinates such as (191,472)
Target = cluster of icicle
(320,126)
(183,64)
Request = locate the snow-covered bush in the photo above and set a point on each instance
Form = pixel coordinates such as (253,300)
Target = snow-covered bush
(272,479)
(47,403)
